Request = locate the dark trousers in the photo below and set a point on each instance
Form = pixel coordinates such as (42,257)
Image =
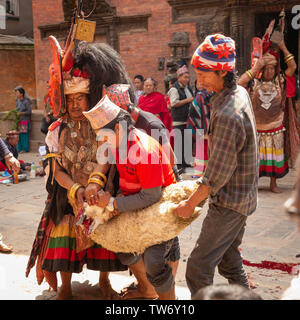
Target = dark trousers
(182,147)
(156,259)
(218,246)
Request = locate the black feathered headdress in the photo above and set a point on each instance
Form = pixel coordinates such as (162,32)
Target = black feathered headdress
(104,67)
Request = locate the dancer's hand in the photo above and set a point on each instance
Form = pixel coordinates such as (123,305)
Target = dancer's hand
(91,194)
(80,196)
(103,198)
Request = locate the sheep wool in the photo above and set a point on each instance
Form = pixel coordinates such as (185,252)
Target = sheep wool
(134,231)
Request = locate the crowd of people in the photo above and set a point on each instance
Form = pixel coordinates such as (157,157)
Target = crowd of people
(237,128)
(179,111)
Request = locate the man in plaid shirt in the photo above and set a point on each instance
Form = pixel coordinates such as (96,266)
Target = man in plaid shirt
(231,177)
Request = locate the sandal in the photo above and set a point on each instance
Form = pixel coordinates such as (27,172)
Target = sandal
(136,295)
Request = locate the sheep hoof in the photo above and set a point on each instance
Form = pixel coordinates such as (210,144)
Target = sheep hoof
(80,220)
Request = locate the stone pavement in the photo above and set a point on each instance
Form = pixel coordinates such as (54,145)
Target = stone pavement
(270,236)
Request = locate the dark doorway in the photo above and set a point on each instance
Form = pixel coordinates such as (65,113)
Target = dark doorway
(262,21)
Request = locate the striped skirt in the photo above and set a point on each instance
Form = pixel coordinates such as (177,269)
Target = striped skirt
(61,253)
(273,163)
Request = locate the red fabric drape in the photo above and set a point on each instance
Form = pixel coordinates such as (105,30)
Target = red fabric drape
(155,103)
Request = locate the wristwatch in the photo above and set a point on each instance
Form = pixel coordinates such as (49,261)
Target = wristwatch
(110,205)
(8,155)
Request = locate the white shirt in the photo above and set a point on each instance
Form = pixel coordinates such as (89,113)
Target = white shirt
(174,98)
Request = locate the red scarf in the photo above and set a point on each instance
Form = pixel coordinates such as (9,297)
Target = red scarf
(155,103)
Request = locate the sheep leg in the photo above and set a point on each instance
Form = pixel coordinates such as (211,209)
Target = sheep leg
(94,225)
(81,219)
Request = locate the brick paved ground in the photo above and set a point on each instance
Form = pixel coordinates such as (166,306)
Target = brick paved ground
(270,236)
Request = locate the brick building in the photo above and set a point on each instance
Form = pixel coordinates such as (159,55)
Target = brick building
(16,52)
(153,35)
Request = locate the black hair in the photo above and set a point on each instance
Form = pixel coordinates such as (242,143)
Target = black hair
(230,80)
(105,67)
(21,90)
(139,76)
(181,63)
(226,292)
(167,81)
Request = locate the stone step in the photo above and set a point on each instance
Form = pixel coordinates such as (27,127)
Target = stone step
(35,144)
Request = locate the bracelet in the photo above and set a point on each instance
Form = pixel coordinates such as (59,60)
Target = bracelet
(8,155)
(100,174)
(74,189)
(250,74)
(289,59)
(96,181)
(288,56)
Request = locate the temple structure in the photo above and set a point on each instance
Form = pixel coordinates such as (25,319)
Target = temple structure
(152,36)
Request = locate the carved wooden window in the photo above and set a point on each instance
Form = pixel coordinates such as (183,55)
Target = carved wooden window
(12,8)
(2,15)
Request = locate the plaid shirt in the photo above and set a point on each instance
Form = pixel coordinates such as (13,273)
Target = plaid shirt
(232,169)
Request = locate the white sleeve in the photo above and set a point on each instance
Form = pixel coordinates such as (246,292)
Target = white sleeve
(174,96)
(52,140)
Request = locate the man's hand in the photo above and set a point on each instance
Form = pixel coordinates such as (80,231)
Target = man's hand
(184,210)
(113,214)
(91,193)
(20,113)
(103,198)
(12,164)
(278,38)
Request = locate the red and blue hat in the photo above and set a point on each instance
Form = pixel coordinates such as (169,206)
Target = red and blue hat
(215,53)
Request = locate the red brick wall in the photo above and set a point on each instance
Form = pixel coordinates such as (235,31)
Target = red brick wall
(139,50)
(44,12)
(19,70)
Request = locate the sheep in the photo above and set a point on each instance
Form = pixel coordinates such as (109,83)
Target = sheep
(134,231)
